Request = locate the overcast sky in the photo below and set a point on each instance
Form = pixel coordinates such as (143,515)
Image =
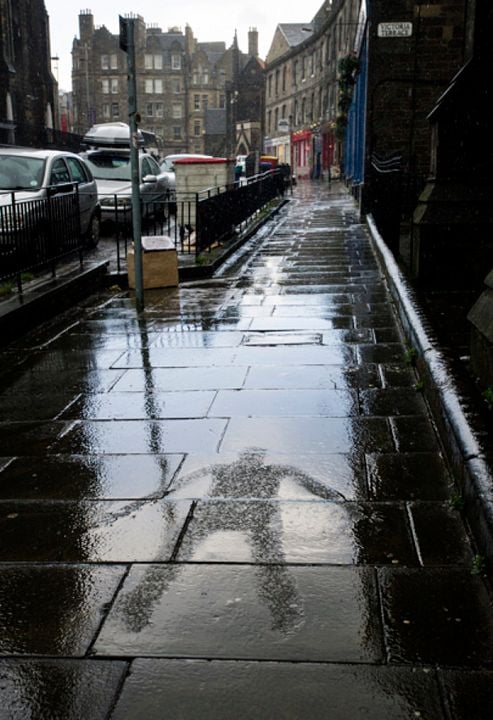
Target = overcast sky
(209,20)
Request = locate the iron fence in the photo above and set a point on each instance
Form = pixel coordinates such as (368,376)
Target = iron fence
(196,222)
(36,234)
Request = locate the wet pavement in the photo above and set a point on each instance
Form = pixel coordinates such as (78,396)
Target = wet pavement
(236,505)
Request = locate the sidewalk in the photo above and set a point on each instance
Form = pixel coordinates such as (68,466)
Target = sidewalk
(237,506)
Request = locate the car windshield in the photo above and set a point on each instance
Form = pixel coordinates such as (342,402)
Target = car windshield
(167,165)
(109,166)
(20,172)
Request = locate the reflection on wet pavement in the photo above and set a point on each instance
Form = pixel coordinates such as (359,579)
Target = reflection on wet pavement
(235,505)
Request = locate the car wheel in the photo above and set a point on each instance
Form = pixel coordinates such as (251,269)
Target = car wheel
(91,238)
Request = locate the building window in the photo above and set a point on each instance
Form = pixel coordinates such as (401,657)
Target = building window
(205,102)
(109,62)
(155,109)
(176,86)
(222,101)
(196,102)
(196,129)
(105,86)
(106,110)
(153,86)
(284,75)
(114,86)
(177,133)
(175,61)
(177,112)
(269,86)
(153,62)
(115,110)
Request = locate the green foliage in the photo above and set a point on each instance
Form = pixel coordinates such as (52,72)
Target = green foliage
(488,397)
(410,356)
(457,501)
(347,68)
(478,565)
(6,288)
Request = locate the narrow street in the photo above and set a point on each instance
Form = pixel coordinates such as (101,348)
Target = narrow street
(235,506)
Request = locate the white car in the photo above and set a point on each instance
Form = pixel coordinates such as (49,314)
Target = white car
(28,175)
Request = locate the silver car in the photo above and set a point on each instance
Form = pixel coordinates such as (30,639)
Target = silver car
(112,170)
(28,175)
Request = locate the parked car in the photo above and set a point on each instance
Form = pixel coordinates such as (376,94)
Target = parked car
(108,156)
(28,176)
(111,168)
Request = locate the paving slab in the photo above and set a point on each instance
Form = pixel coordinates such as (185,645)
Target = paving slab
(68,689)
(214,690)
(262,475)
(258,531)
(90,532)
(53,610)
(79,477)
(242,612)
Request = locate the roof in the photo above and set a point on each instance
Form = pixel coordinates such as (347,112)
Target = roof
(296,33)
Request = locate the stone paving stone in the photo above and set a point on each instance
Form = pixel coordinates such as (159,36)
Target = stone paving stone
(141,406)
(141,437)
(81,477)
(398,375)
(289,403)
(291,532)
(307,435)
(414,434)
(53,610)
(300,323)
(469,694)
(237,612)
(184,378)
(381,353)
(19,438)
(311,355)
(33,382)
(88,532)
(407,476)
(307,377)
(392,401)
(56,689)
(28,407)
(221,690)
(197,339)
(436,616)
(176,357)
(256,474)
(441,534)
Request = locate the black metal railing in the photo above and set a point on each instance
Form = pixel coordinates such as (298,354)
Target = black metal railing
(36,234)
(195,222)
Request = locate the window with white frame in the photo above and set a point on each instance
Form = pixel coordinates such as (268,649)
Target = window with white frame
(153,62)
(105,86)
(177,132)
(114,86)
(155,109)
(153,86)
(106,110)
(105,62)
(115,110)
(196,102)
(175,61)
(177,111)
(196,128)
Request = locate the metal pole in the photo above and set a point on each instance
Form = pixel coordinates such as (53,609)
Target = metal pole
(134,163)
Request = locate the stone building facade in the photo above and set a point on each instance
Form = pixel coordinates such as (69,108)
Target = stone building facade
(302,87)
(28,90)
(183,86)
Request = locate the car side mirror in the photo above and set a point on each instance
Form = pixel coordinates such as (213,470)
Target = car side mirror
(149,179)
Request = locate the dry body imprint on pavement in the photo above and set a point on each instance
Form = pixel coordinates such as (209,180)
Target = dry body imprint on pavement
(236,505)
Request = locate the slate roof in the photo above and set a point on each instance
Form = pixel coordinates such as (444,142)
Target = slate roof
(296,33)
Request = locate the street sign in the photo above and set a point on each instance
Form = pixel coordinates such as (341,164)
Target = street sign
(395,29)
